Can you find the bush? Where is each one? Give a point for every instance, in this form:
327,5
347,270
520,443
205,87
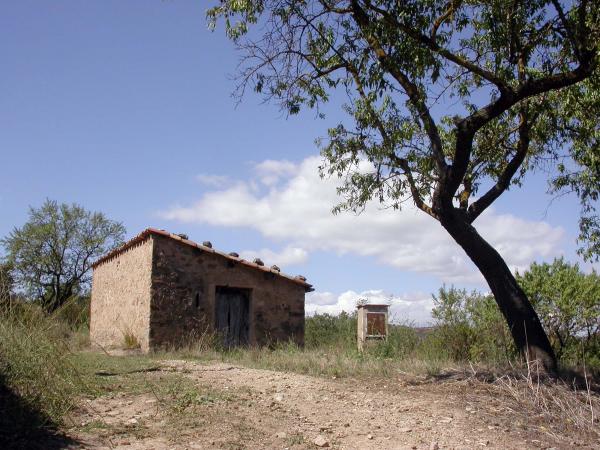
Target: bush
470,327
130,341
402,342
75,313
33,360
568,304
325,330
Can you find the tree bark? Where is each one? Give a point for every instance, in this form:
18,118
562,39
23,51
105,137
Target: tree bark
523,322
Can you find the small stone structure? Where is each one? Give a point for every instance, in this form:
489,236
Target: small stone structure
372,324
161,290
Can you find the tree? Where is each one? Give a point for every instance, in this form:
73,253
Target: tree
505,65
51,255
6,284
568,302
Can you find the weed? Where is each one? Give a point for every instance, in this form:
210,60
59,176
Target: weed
181,393
94,425
130,341
295,439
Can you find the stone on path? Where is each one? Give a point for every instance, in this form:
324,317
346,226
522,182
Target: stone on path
321,441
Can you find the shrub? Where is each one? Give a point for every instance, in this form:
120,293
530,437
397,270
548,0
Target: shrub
75,313
401,343
568,304
33,360
325,330
470,327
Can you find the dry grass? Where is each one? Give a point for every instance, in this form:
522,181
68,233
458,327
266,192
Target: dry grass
524,395
567,406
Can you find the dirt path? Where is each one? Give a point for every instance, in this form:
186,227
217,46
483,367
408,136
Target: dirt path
235,407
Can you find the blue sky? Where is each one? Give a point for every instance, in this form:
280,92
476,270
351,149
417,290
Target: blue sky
125,107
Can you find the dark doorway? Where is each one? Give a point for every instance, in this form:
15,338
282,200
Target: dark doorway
232,315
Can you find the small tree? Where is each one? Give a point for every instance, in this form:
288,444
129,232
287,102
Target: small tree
568,302
51,255
452,321
522,78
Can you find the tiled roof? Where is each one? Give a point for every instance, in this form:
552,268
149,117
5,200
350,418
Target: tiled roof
375,305
154,231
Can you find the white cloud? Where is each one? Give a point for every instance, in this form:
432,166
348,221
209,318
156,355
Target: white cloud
407,308
287,256
271,171
296,210
212,180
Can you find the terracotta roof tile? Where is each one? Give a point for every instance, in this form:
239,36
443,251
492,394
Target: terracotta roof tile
154,231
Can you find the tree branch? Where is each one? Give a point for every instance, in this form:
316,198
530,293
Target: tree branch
568,29
477,207
432,45
416,195
453,5
410,88
401,162
468,126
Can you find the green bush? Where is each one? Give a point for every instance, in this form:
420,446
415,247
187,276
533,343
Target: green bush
568,304
402,342
33,360
469,327
75,313
325,330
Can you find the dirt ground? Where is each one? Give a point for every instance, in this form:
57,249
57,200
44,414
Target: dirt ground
230,407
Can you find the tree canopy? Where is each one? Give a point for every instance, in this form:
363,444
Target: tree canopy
504,66
452,103
51,255
579,163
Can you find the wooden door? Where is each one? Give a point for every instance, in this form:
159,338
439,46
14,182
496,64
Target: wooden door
232,315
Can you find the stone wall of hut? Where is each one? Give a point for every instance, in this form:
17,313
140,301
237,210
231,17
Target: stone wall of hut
184,282
120,304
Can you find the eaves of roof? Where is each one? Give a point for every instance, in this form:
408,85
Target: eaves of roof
154,231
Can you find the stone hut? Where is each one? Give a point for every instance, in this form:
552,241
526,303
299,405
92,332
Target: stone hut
160,289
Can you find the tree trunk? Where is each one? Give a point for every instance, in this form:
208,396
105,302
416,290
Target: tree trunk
523,322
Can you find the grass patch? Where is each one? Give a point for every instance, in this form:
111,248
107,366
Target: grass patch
135,375
181,394
103,374
555,403
38,362
327,361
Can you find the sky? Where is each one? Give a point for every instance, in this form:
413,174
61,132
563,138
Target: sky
125,107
